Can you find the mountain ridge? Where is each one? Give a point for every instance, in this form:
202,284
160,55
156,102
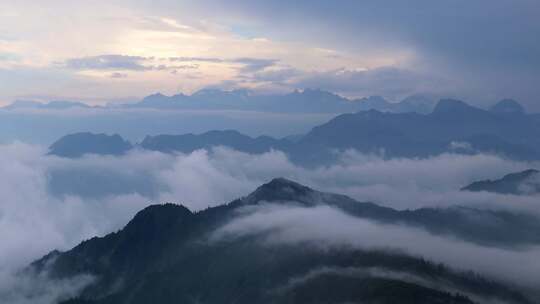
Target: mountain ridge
79,144
519,183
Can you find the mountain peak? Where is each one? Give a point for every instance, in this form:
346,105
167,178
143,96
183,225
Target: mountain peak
162,214
155,221
155,96
417,103
279,182
280,189
158,94
451,105
507,106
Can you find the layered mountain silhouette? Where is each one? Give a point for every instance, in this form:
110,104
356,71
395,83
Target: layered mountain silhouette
451,123
79,144
299,101
229,138
453,126
51,105
169,254
508,106
525,182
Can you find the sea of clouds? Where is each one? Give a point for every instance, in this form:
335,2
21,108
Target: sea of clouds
54,203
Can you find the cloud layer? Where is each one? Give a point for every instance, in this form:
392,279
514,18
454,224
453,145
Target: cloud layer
47,203
290,224
41,205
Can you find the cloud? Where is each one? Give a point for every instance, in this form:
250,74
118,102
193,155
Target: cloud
196,59
49,193
4,56
531,185
34,222
481,52
121,63
292,225
394,83
377,272
464,32
118,75
277,76
32,288
251,65
108,62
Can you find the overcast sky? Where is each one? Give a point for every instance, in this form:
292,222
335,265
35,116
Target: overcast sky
98,50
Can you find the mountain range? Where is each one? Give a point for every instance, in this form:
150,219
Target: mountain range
51,105
189,142
299,101
453,126
169,254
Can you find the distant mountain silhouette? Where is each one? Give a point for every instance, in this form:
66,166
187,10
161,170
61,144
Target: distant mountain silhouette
417,135
508,106
525,182
416,103
166,254
52,105
159,101
23,104
79,144
189,142
299,101
453,126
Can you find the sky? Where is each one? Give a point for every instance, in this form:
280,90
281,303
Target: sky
100,51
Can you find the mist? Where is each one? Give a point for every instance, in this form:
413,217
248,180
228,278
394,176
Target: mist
292,224
39,126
